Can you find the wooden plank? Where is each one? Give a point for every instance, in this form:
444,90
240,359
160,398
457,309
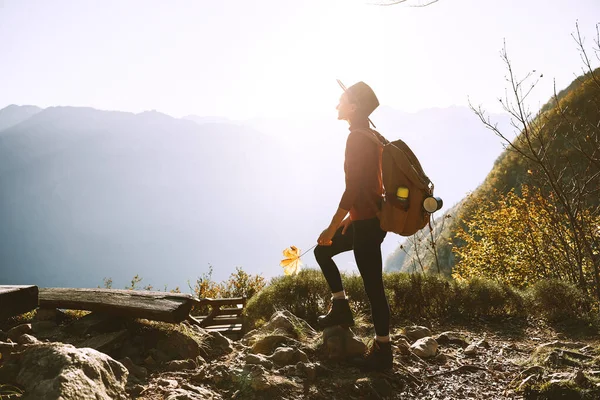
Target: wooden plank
158,306
226,328
223,302
230,311
220,320
18,299
233,309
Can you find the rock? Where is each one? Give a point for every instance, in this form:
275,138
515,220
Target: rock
6,349
286,322
564,345
258,359
27,339
402,345
180,365
287,355
340,343
95,322
160,356
375,388
180,346
425,347
584,350
560,376
250,337
107,343
281,320
441,358
199,390
217,343
150,361
191,392
471,350
259,380
46,314
267,344
446,338
577,377
580,379
308,370
18,330
322,371
382,387
170,383
56,370
43,326
200,360
416,332
399,336
136,390
135,370
8,373
223,373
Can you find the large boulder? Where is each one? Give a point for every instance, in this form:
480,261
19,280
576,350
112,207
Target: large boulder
425,347
340,343
416,332
286,323
267,344
52,371
177,345
288,355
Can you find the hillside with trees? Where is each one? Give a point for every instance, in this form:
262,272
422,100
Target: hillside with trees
536,215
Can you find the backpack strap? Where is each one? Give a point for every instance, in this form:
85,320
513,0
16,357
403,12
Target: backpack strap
373,135
381,141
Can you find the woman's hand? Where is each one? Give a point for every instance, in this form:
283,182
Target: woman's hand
326,236
345,224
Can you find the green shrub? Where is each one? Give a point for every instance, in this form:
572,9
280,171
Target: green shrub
416,296
305,295
559,301
486,298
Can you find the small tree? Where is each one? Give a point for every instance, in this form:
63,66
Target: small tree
241,284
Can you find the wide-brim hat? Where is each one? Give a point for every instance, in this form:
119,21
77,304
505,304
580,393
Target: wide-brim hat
364,96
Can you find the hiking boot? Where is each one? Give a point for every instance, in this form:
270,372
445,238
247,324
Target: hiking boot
339,314
378,357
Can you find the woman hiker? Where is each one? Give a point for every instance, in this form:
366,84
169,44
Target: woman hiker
359,231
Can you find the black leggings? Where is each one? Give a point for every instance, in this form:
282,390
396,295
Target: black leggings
364,237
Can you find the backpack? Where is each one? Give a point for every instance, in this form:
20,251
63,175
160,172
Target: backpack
401,169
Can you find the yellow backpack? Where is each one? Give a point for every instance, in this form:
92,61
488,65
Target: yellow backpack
408,202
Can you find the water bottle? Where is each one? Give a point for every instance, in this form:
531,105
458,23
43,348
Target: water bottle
432,204
402,196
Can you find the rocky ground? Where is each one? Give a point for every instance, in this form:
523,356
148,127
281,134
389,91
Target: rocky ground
100,357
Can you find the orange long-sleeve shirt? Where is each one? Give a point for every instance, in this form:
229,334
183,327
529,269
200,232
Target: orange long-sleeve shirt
362,167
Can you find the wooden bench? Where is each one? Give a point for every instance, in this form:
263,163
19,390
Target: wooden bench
15,300
225,316
157,306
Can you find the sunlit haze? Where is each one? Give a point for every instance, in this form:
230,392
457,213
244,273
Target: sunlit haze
265,58
88,194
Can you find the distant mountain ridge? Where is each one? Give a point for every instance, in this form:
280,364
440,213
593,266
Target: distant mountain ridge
13,115
87,194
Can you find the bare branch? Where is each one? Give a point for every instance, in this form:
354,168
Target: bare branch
396,2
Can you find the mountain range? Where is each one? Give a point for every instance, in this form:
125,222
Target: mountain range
87,194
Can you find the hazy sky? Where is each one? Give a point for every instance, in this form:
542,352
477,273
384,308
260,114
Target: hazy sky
254,58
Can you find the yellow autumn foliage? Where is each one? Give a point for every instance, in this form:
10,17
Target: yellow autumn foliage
518,240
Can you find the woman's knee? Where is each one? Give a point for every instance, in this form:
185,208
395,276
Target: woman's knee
322,253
